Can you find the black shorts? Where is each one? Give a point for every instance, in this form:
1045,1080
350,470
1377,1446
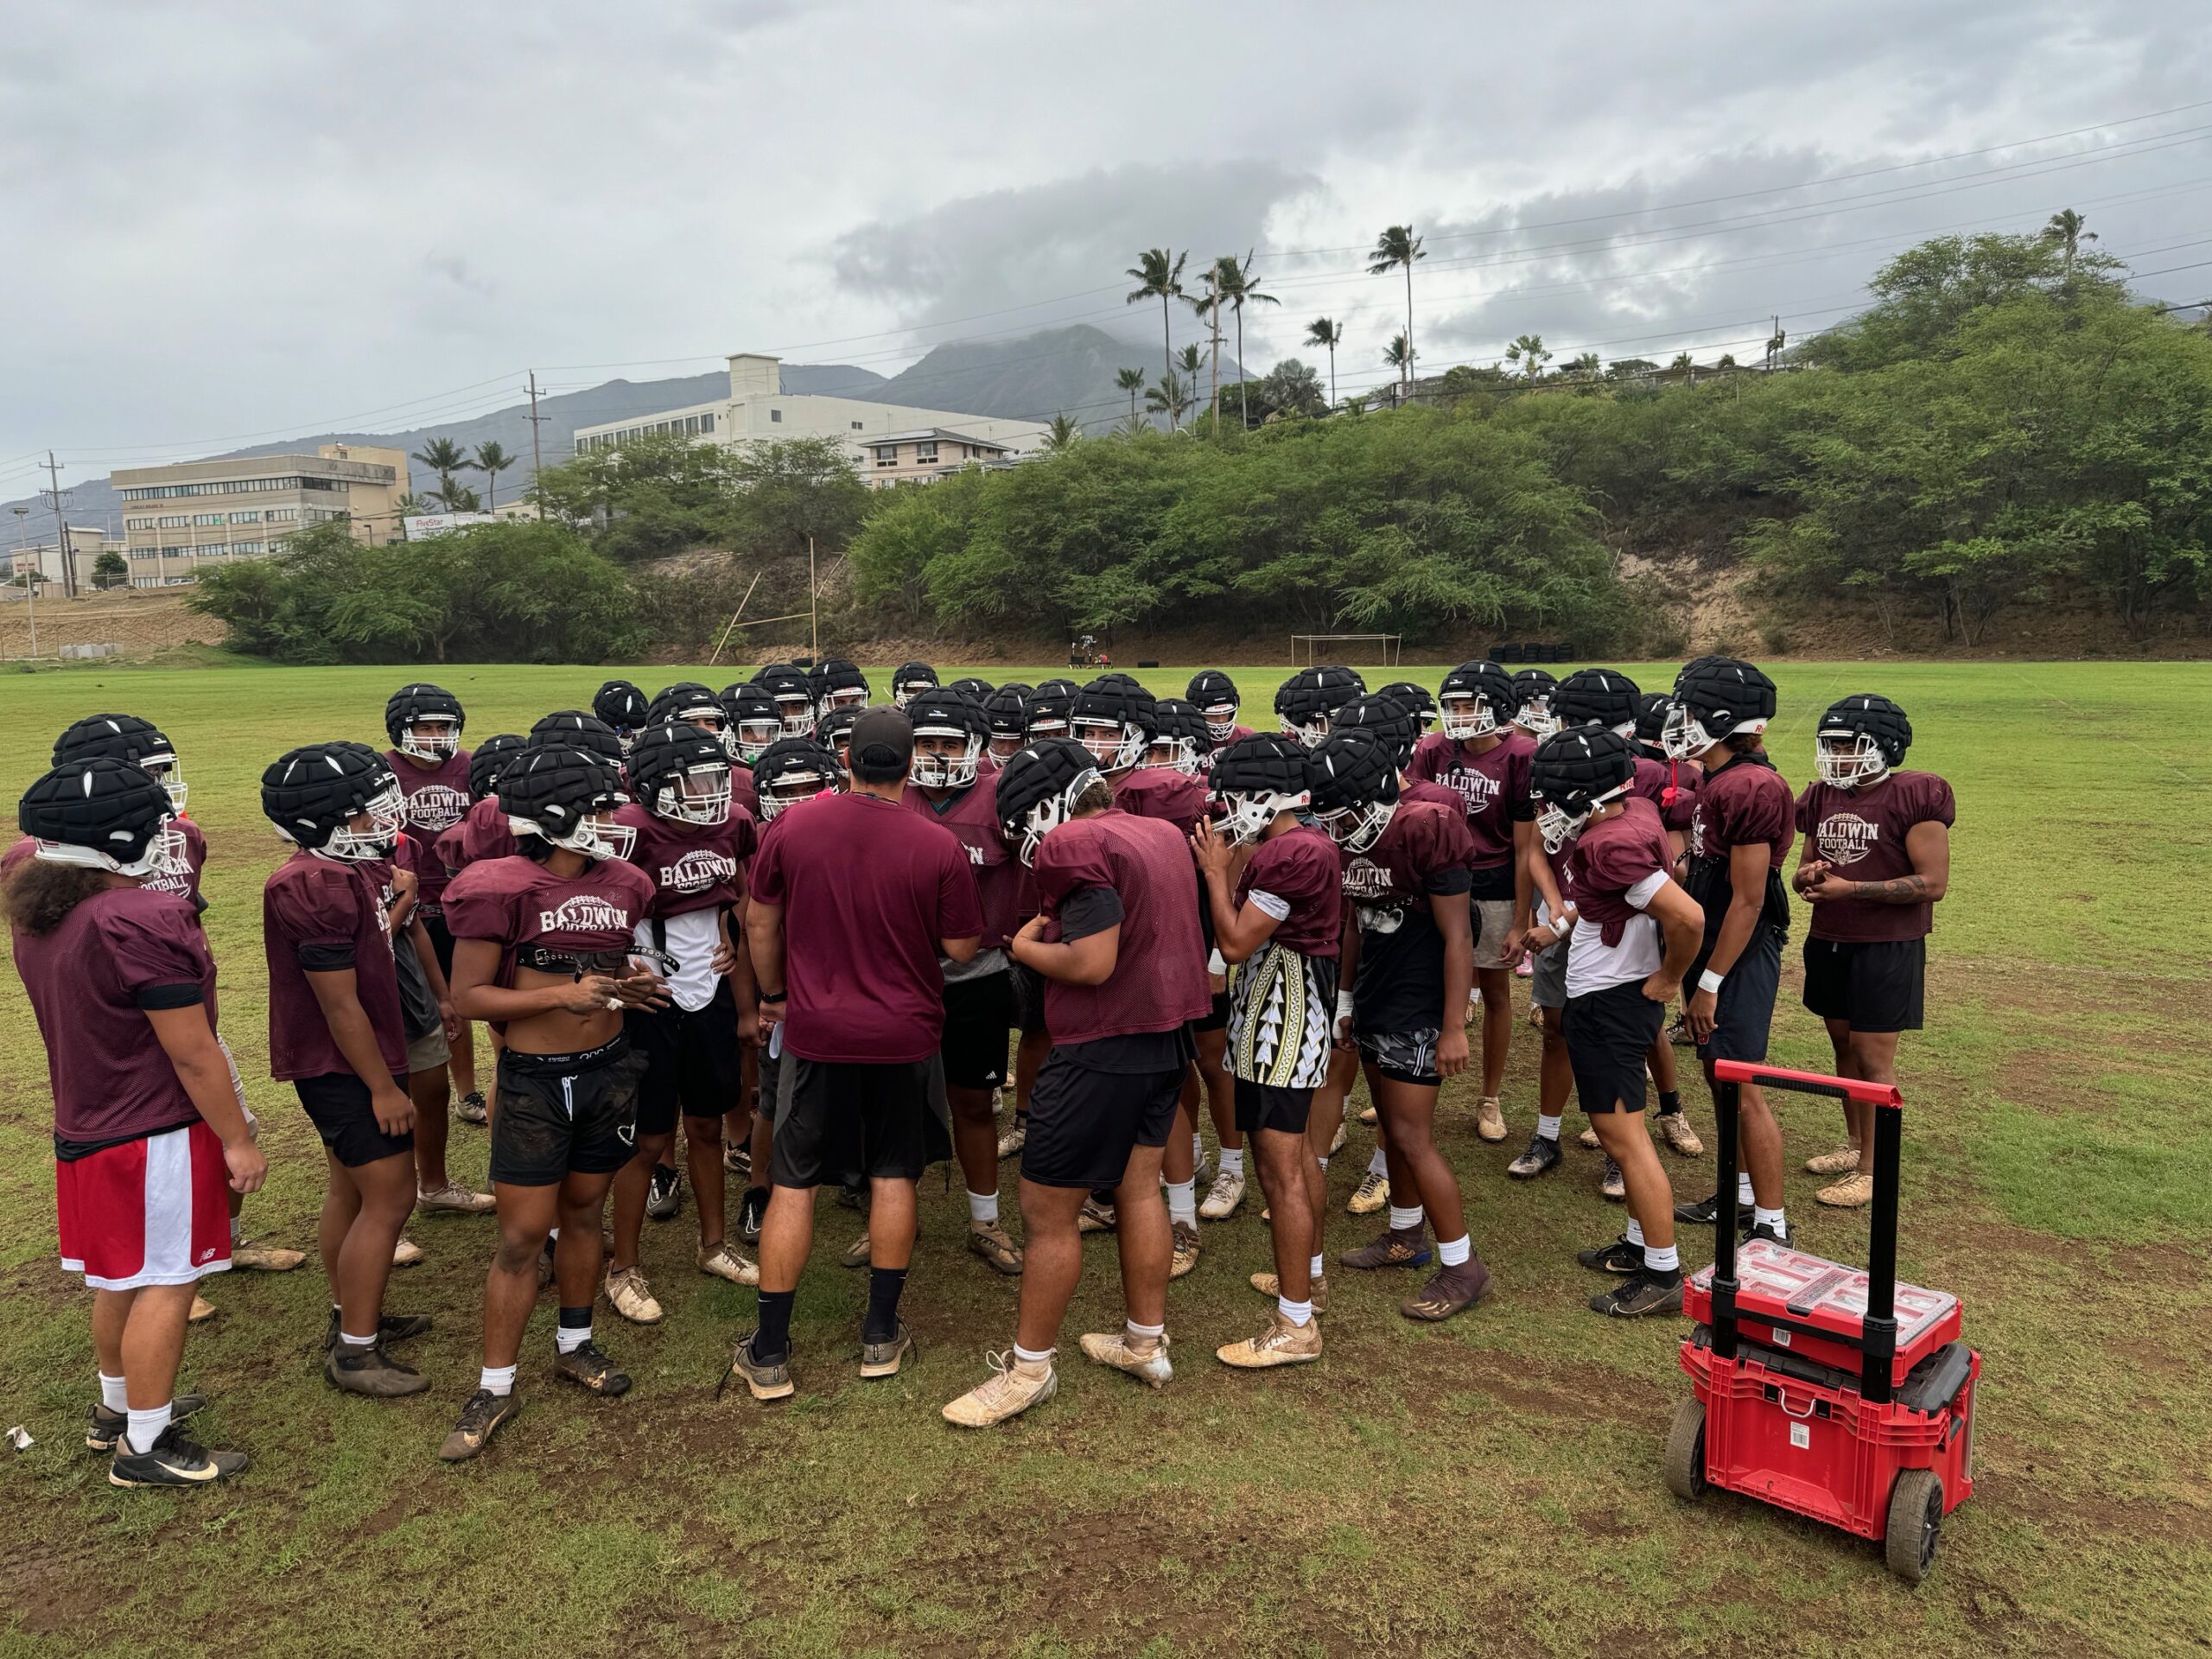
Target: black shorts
978,1014
770,1069
850,1120
1028,989
434,923
565,1114
693,1061
1085,1124
1607,1034
1743,1012
1261,1106
1407,1057
1875,985
1216,1017
338,1105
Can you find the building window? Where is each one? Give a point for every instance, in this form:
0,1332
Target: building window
886,454
776,415
705,422
856,426
138,524
245,518
282,515
926,453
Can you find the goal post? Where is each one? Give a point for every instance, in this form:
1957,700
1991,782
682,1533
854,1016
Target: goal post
1308,650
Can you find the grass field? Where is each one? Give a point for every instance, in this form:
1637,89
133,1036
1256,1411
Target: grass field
1491,1485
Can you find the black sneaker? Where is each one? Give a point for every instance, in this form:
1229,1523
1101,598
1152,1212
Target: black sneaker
483,1413
1612,1186
1542,1156
588,1368
664,1197
174,1460
1704,1211
390,1327
1640,1295
1620,1256
371,1372
752,1212
1771,1232
107,1431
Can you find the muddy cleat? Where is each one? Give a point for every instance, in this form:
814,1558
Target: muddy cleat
587,1367
1343,1134
173,1460
1640,1295
1111,1348
454,1198
1705,1212
1317,1292
1094,1217
202,1310
371,1372
665,1192
1223,1196
1612,1186
480,1418
1449,1292
1370,1195
265,1258
1011,1389
996,1245
1490,1118
1367,1113
883,1358
723,1262
1186,1249
1014,1137
406,1253
1588,1139
1674,1129
1541,1158
1854,1191
1390,1249
1620,1256
470,1107
1280,1344
106,1433
391,1328
1843,1160
737,1158
752,1213
1679,1033
762,1381
855,1253
629,1295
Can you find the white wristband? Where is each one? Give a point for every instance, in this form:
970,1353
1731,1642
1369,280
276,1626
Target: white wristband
1344,1003
1708,981
1216,964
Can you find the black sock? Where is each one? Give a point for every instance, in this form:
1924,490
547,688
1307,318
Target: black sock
885,1285
760,1193
1670,1102
772,1341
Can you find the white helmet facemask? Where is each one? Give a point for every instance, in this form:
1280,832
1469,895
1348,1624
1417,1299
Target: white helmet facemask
1221,720
387,813
1356,828
430,737
597,835
752,737
165,852
1311,735
1050,813
931,771
1115,745
1247,815
1683,736
1847,760
1466,715
1175,754
798,713
164,770
1537,719
697,795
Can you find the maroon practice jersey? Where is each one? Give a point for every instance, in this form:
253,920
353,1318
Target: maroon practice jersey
322,915
1492,787
119,953
1861,833
1609,858
437,799
972,816
1158,981
1237,733
185,887
743,790
1425,850
1156,792
1746,800
691,866
517,901
1300,867
1670,785
1420,789
486,832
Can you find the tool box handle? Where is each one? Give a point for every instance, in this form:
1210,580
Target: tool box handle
1877,1341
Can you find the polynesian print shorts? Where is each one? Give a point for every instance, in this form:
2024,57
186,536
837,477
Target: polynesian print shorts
1280,1007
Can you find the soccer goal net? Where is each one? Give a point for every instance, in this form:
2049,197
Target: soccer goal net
1376,649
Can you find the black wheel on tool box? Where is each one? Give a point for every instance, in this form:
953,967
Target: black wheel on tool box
1684,1462
1916,1518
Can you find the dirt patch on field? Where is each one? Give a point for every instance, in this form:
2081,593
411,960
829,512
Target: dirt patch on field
140,623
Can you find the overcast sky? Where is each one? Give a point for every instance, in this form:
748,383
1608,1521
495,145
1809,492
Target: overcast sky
227,222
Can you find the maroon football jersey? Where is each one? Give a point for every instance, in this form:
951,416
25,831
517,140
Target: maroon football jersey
1155,793
691,866
1425,850
118,953
743,790
185,887
437,799
517,901
322,915
1611,857
973,817
1861,833
1492,787
1670,785
1237,733
1300,867
1159,980
1745,800
1420,789
485,833
867,890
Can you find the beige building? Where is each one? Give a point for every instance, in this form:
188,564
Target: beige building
87,543
758,409
927,454
179,520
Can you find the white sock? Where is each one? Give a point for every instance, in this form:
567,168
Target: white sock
1182,1203
1023,1357
1765,1217
1658,1261
553,1236
567,1338
353,1341
1323,1162
145,1427
1404,1221
1314,1266
1635,1233
1145,1332
1547,1127
1232,1160
1296,1312
1452,1253
1743,1187
238,1230
497,1379
113,1394
1378,1165
983,1207
1198,1148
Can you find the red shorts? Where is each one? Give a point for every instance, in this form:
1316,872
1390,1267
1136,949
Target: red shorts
151,1211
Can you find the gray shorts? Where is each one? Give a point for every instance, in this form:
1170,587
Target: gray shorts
1547,977
1493,919
430,1052
1403,1056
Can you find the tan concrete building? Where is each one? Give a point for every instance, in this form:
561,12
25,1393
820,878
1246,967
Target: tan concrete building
87,543
179,520
927,454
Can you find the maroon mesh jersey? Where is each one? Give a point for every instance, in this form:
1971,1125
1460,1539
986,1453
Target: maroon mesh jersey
972,816
1861,833
867,890
743,790
1670,785
185,887
1300,867
517,901
437,799
1492,787
1156,792
691,866
1418,789
1159,980
1608,859
322,915
115,955
1237,733
1425,850
1746,800
485,833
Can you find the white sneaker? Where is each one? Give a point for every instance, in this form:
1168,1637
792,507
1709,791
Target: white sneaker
1112,1348
456,1197
1014,1137
724,1262
1370,1195
406,1253
631,1297
1223,1196
1343,1133
1010,1389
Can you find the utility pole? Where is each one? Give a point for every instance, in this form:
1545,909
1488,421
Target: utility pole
23,514
813,615
536,454
61,529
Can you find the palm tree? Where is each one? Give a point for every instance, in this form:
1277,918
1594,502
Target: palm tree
445,458
1400,356
1063,431
1397,246
1131,381
1322,332
1683,363
1170,399
2064,231
457,498
492,460
1208,306
1240,286
1187,361
1159,275
1584,367
1530,353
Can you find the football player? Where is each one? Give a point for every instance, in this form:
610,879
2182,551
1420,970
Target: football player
337,1033
755,724
623,707
692,704
1049,708
1279,920
839,684
1215,695
1533,689
1007,709
911,681
793,697
1740,830
150,1131
543,949
1307,701
1118,947
1417,699
1875,860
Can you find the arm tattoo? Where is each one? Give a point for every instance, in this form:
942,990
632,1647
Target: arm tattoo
1904,890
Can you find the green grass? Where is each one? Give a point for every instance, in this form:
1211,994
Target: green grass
1490,1485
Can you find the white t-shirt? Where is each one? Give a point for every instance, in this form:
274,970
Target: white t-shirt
1592,965
693,938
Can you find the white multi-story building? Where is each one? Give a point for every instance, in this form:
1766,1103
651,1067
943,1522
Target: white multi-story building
758,411
181,519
